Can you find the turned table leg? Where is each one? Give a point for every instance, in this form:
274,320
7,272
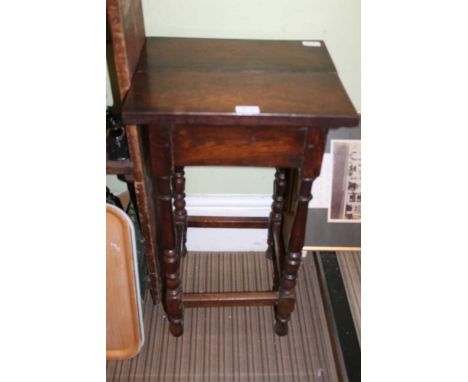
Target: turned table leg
279,187
292,261
313,156
180,213
170,257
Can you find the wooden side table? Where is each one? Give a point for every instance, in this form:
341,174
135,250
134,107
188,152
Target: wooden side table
234,103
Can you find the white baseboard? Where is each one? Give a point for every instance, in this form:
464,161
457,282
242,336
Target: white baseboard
223,239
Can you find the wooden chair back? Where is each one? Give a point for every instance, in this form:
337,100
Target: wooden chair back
127,31
125,18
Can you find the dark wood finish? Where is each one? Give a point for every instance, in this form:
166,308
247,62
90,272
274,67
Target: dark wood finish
277,94
119,167
290,201
185,91
238,146
170,256
161,164
277,255
180,213
125,21
297,84
146,208
313,155
162,54
114,82
279,187
227,222
291,262
230,299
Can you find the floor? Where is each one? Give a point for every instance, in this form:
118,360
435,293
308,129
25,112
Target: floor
234,343
350,267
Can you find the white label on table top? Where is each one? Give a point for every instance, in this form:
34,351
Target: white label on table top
247,109
312,43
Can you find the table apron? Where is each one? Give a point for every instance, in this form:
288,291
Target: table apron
238,146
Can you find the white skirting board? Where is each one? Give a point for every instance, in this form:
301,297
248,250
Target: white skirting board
227,239
223,239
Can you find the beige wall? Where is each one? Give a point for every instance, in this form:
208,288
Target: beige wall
337,22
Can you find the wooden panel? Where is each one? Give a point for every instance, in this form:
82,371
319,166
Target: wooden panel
119,167
201,78
230,299
234,146
218,93
227,222
146,208
124,332
160,150
125,19
203,54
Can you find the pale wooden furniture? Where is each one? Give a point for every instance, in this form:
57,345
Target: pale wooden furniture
124,321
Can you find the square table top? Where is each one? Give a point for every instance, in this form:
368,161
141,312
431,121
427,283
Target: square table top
198,80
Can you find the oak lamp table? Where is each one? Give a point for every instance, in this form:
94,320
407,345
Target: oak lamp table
218,102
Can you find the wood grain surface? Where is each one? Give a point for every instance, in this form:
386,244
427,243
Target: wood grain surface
119,167
240,146
125,21
227,222
210,77
203,54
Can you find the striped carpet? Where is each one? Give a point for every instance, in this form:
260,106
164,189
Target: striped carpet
234,343
350,267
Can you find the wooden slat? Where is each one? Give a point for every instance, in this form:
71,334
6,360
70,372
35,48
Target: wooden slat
230,299
146,207
234,343
125,22
119,167
227,222
254,146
